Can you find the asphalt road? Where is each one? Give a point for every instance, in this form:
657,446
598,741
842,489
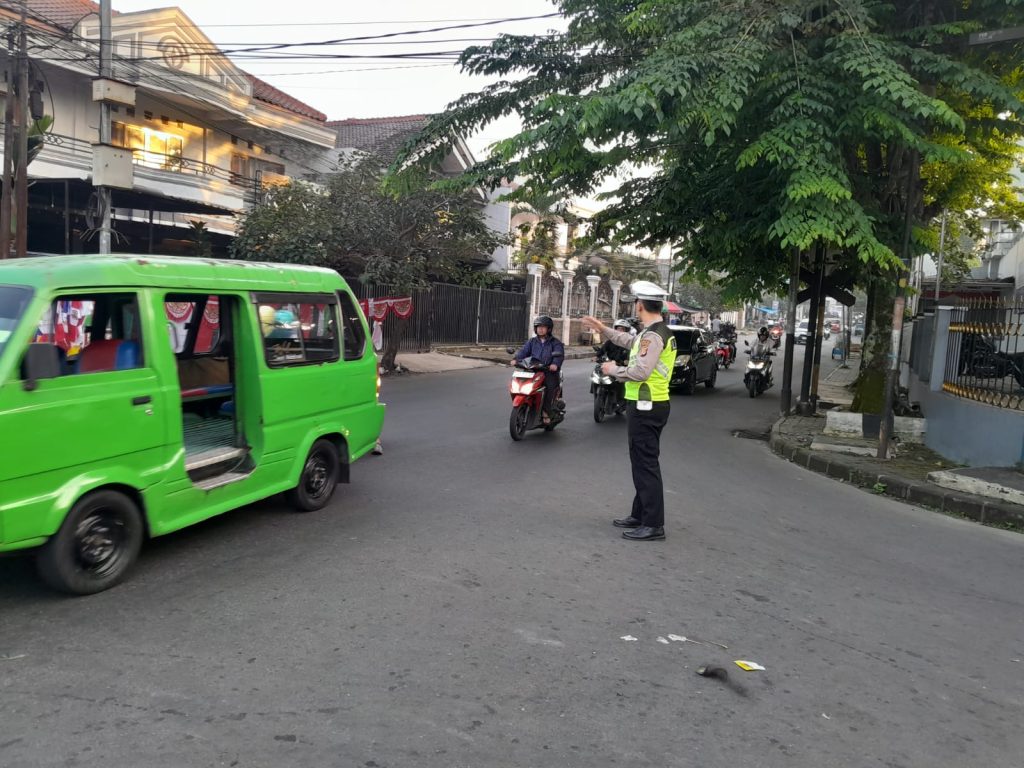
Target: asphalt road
464,603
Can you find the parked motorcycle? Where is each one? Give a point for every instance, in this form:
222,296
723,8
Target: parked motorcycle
609,394
758,376
982,358
527,391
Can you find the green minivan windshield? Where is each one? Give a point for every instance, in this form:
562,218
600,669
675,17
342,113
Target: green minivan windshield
13,300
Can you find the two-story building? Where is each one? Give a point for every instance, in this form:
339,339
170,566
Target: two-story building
384,137
204,139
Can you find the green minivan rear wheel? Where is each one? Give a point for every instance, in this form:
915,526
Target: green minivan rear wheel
95,546
319,478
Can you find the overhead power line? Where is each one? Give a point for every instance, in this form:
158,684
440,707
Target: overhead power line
389,34
370,23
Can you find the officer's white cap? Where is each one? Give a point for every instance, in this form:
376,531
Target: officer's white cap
645,289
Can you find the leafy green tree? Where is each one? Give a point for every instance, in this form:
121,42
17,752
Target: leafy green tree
356,227
738,131
199,239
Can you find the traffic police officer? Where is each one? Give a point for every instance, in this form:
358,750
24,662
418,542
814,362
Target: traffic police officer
651,359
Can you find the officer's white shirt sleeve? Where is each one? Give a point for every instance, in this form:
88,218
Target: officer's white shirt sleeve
645,363
618,338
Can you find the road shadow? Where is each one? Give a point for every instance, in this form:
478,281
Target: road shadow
21,586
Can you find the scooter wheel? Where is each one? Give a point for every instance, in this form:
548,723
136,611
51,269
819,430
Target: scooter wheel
517,422
752,387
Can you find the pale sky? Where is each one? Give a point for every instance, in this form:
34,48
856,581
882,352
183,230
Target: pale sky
344,88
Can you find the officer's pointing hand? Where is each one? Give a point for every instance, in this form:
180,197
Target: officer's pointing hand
592,323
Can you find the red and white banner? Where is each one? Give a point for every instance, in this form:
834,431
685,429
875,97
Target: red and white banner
378,309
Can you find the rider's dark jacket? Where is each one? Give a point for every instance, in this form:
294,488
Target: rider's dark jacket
545,351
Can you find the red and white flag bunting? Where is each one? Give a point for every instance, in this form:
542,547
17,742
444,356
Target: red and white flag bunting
377,309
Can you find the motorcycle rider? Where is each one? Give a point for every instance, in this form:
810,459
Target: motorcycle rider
727,333
763,346
545,348
612,351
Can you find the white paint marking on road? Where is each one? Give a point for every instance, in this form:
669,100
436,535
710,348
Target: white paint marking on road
825,716
14,658
677,638
534,639
663,641
628,638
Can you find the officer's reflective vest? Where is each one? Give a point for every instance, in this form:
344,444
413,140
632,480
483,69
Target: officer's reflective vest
656,386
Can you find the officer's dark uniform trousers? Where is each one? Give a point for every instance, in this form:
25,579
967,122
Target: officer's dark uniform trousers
644,429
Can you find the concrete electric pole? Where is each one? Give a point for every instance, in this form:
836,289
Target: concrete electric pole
21,147
106,72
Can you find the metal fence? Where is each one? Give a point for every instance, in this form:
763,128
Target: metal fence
455,314
985,355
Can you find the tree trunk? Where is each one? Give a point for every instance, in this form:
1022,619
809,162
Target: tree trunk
869,389
392,341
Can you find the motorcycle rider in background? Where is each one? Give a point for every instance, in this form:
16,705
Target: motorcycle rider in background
547,349
612,351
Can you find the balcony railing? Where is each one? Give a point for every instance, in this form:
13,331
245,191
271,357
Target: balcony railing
252,187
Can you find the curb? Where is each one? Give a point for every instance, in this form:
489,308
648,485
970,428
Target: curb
978,508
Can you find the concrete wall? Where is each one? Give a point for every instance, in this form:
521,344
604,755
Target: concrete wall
968,432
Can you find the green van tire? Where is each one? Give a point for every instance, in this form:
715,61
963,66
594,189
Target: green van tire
318,479
95,546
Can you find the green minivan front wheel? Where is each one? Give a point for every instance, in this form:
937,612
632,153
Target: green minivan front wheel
95,546
319,478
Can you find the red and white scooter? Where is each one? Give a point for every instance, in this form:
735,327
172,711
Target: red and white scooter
527,391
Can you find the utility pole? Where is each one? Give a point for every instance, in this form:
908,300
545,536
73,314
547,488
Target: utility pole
806,407
787,366
8,170
21,171
939,265
106,72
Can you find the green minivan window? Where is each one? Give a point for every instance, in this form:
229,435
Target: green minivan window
298,330
352,328
96,333
13,300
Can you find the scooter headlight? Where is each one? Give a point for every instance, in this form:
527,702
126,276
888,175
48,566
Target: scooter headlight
606,380
756,366
595,378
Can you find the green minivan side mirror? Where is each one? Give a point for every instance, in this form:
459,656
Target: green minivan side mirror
42,361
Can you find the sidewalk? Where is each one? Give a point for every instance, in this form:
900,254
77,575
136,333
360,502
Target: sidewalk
833,389
801,439
444,359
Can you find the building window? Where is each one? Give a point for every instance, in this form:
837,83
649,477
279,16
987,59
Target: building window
152,149
240,169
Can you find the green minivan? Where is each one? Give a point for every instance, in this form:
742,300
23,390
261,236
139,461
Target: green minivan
142,394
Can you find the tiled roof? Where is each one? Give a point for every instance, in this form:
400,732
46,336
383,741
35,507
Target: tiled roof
383,136
62,13
264,91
